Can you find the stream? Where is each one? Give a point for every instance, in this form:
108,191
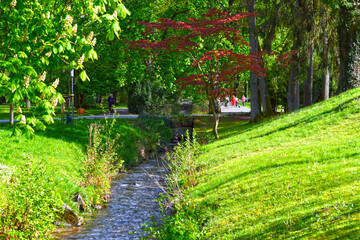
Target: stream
131,204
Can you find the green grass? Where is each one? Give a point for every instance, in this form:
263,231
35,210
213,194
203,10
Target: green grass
61,150
293,177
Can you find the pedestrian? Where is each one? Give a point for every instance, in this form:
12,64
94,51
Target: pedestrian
227,100
236,101
243,99
233,100
110,103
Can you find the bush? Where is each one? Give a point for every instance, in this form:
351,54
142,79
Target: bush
146,98
185,223
32,206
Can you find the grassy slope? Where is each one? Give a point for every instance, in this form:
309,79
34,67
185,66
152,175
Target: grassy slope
292,177
61,150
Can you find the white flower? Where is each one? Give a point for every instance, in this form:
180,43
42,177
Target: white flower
54,101
26,81
23,119
48,54
90,36
75,27
48,15
18,109
93,42
42,77
115,14
55,83
13,3
81,60
68,7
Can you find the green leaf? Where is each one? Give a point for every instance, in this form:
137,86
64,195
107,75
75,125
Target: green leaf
68,46
110,35
48,119
55,50
84,76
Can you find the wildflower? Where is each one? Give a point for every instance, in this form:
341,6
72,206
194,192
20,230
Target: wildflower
68,7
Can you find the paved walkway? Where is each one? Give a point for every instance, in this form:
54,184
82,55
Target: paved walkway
123,113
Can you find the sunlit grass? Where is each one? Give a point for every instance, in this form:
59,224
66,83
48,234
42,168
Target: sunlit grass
295,177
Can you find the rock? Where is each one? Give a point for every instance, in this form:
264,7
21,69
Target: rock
70,217
81,203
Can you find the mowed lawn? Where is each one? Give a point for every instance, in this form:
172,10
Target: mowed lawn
293,177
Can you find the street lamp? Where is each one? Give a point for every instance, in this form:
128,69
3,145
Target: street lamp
72,94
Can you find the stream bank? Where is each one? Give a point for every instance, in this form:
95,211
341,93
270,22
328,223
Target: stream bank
132,202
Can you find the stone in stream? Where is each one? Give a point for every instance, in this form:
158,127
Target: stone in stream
70,217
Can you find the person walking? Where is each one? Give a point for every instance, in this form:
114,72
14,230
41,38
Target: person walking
111,103
233,100
243,99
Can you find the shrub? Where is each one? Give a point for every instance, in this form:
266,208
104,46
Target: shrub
32,206
185,223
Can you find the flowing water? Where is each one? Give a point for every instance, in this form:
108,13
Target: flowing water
131,203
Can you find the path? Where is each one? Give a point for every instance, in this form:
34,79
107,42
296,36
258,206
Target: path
122,113
131,203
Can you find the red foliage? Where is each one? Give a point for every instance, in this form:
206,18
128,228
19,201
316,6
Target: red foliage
210,26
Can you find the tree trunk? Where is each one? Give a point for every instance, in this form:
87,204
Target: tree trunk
28,103
293,91
325,60
11,114
216,117
347,31
308,82
255,113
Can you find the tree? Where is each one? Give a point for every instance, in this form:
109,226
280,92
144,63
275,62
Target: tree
217,51
39,41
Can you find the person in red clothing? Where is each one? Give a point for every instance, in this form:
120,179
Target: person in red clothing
233,100
243,99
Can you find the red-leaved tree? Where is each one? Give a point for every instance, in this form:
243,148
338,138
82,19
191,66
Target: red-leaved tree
216,48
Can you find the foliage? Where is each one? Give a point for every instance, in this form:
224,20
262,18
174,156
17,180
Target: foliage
155,133
146,97
32,206
216,50
40,40
101,161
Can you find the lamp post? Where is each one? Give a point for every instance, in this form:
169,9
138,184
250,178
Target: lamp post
72,94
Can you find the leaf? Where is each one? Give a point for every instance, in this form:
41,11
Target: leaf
55,50
84,76
17,96
16,132
48,119
68,46
110,35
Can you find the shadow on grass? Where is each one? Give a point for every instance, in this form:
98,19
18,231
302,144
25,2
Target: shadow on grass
300,227
259,169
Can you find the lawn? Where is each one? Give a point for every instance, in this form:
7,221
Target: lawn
293,177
